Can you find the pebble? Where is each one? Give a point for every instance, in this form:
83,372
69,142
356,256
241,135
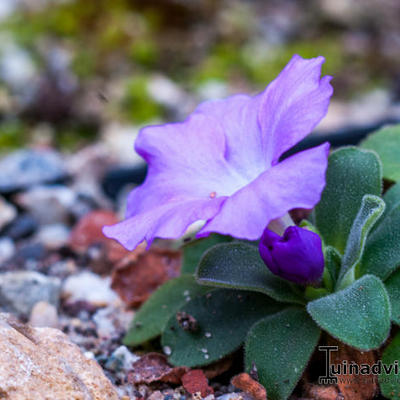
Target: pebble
53,236
48,204
157,395
88,230
44,314
230,396
89,287
7,249
111,321
25,168
21,290
121,359
7,213
21,227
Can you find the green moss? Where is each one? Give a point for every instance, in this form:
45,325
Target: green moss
73,136
261,69
259,64
223,62
144,52
137,105
12,134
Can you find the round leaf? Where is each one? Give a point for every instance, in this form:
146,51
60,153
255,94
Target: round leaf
358,315
280,346
239,266
150,320
386,142
351,174
222,318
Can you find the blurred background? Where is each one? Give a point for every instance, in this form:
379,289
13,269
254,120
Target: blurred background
73,72
79,78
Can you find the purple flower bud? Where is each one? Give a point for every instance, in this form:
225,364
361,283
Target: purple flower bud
297,256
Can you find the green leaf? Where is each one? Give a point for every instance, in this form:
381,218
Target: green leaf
358,315
392,198
239,266
333,261
389,383
351,174
193,251
382,250
393,288
223,317
371,209
386,142
280,346
150,320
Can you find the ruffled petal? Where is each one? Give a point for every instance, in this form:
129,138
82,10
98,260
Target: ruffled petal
296,182
168,221
292,105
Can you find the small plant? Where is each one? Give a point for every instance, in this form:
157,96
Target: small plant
269,285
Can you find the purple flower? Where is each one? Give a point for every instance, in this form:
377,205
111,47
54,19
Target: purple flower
221,164
297,256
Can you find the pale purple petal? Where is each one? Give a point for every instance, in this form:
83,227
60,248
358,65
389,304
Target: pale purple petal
219,164
165,221
185,159
292,105
296,182
238,118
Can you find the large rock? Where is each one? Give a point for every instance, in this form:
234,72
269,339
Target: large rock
41,363
21,290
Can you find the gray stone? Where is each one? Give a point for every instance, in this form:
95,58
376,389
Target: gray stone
53,236
26,168
7,212
44,315
21,290
89,287
7,249
121,360
48,204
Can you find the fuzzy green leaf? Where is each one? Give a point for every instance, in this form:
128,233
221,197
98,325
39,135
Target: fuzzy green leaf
371,209
393,288
193,251
333,261
280,346
358,315
351,174
389,383
223,318
382,250
386,142
150,320
392,198
239,266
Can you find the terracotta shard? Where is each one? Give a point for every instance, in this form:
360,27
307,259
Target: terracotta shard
139,274
248,385
154,367
195,382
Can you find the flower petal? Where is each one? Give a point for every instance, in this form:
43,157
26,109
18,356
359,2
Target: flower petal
238,118
186,160
296,182
292,105
166,221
